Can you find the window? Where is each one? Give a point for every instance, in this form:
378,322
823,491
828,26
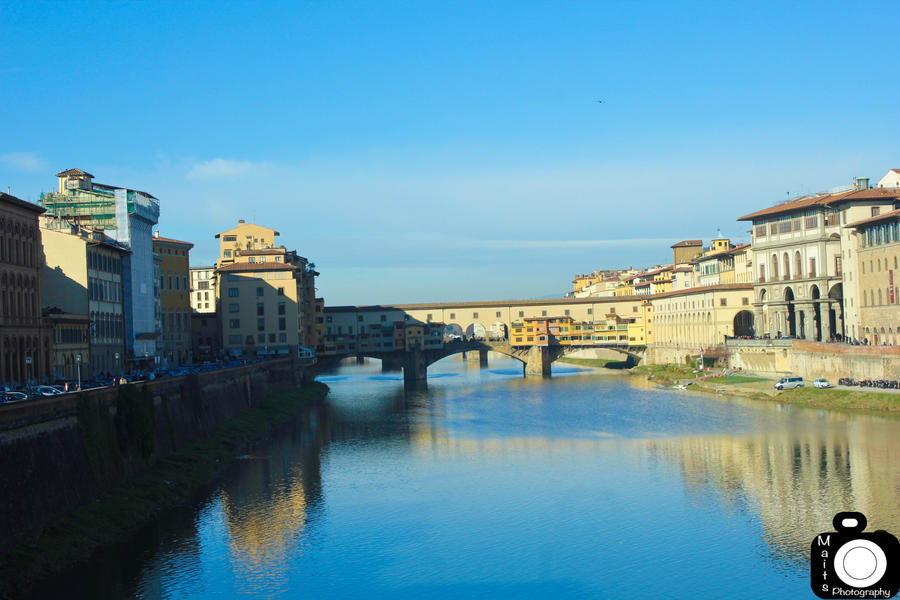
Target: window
232,292
251,260
566,312
260,324
281,291
634,309
260,338
723,301
812,267
384,318
281,308
612,310
590,311
234,323
745,301
282,337
282,323
259,291
543,313
875,211
260,308
229,238
359,318
228,254
474,315
271,338
234,339
234,308
452,316
330,319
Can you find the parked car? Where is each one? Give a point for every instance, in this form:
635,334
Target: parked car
45,391
821,383
12,396
789,383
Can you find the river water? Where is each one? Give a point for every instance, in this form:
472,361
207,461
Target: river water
488,485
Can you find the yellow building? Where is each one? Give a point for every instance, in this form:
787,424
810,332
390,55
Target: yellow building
878,271
685,251
83,275
174,344
246,236
265,296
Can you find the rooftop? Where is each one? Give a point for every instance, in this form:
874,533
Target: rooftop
266,266
20,203
885,217
687,243
824,200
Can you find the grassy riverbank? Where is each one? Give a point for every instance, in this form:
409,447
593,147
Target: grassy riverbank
133,504
760,388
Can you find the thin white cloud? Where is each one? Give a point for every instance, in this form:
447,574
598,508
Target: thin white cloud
223,167
28,162
517,244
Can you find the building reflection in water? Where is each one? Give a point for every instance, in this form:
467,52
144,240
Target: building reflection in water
269,504
794,482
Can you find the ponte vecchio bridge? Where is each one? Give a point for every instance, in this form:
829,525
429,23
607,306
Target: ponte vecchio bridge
488,326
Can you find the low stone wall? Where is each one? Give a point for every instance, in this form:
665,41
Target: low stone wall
57,453
812,359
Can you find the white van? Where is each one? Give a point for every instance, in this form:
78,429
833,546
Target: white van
789,383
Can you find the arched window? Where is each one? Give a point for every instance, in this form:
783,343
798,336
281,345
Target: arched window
787,267
774,267
798,266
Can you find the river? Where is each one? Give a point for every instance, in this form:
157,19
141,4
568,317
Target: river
489,485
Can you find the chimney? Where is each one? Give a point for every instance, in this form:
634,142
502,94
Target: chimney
862,183
156,233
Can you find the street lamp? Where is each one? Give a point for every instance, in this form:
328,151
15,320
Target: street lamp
78,364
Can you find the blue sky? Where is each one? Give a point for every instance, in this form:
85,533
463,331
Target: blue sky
424,151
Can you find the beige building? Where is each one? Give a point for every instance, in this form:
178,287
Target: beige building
24,342
878,270
265,295
246,236
203,289
174,344
685,251
71,335
702,317
890,180
83,275
803,261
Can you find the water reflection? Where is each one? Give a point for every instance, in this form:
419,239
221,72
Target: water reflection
488,484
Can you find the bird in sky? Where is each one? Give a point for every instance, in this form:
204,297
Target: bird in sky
601,101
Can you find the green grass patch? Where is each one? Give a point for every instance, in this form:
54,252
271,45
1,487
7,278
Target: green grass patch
665,374
840,399
124,509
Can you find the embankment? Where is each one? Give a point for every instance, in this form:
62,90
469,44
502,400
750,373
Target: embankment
60,453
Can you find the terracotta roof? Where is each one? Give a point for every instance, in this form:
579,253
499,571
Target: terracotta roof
825,200
687,243
68,172
888,215
266,266
21,203
171,241
683,269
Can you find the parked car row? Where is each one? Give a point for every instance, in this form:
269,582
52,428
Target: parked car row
8,395
875,383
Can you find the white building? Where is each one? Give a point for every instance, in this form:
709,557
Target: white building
803,257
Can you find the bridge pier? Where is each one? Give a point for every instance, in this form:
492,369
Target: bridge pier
480,355
415,370
538,362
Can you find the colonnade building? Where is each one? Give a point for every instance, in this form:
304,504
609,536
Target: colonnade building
806,263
